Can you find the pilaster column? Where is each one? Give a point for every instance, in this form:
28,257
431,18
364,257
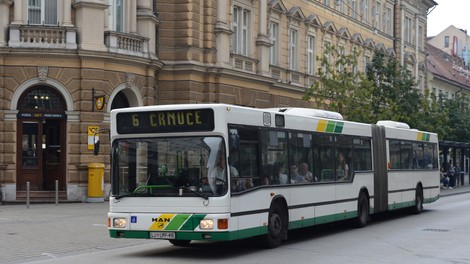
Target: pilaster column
262,42
4,15
18,12
223,34
132,17
67,13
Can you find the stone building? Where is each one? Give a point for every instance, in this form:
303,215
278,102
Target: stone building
65,64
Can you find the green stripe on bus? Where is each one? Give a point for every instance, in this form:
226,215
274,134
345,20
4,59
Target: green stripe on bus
339,127
177,222
193,222
330,127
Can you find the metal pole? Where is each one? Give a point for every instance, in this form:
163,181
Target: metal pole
27,195
56,192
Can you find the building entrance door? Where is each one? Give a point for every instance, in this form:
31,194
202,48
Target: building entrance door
41,154
41,144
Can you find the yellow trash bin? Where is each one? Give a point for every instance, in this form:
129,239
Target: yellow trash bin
95,182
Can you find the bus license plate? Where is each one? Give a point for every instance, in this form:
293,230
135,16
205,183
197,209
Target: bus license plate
162,235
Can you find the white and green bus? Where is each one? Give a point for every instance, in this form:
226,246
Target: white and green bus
218,172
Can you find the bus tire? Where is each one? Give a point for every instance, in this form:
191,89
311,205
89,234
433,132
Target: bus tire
180,243
419,200
277,226
362,211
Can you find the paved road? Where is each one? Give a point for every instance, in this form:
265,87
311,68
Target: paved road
47,231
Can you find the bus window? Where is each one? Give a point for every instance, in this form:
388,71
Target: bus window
344,167
274,156
300,157
324,159
244,158
394,146
362,154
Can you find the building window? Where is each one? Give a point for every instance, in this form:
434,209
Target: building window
42,12
311,55
388,21
407,29
341,54
339,6
365,10
116,15
241,30
446,41
293,49
378,16
366,62
420,37
326,2
352,4
274,37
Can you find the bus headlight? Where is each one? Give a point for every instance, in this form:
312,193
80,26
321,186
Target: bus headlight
206,224
119,222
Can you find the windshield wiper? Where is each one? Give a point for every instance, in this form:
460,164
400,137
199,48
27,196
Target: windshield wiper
130,195
200,194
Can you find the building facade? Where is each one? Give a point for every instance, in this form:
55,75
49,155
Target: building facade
448,75
453,41
64,65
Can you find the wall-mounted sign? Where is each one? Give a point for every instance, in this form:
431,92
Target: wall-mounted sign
93,135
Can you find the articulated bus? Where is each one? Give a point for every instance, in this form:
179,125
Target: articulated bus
217,172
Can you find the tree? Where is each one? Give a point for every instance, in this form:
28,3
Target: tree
386,91
341,87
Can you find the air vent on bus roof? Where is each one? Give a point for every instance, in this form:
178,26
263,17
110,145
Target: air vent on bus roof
389,123
309,112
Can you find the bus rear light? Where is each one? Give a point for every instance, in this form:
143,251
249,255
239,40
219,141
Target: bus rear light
222,224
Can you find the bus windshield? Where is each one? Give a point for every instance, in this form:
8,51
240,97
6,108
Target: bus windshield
169,167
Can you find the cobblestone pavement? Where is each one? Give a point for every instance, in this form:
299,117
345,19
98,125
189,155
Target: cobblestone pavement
47,231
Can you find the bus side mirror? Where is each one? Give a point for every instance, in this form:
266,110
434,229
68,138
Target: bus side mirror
234,141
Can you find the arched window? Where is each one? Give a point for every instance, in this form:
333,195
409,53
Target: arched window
41,99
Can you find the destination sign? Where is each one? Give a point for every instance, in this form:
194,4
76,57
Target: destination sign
165,121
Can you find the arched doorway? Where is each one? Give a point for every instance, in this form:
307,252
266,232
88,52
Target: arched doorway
41,139
120,101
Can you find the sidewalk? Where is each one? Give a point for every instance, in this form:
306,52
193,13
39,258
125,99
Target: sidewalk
47,231
458,189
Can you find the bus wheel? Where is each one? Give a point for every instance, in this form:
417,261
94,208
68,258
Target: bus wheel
276,227
180,243
419,200
362,211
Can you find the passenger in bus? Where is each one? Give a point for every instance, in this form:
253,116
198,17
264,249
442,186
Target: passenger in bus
242,184
294,174
279,177
305,173
342,169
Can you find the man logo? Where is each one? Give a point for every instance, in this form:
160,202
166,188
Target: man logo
161,220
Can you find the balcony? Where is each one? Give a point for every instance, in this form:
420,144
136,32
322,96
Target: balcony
127,44
44,37
243,63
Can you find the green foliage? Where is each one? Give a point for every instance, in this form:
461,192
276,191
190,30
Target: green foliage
386,91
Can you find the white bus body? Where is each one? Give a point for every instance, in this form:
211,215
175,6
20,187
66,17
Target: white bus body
157,151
